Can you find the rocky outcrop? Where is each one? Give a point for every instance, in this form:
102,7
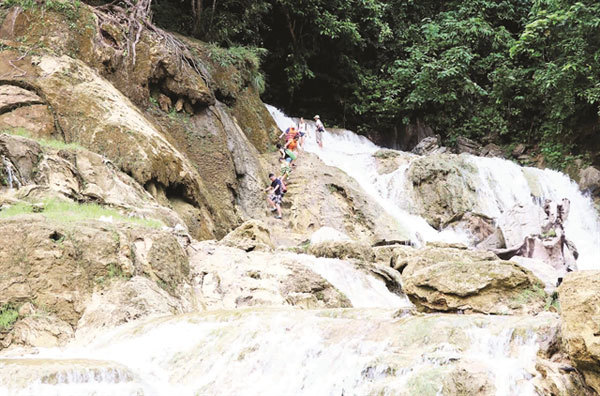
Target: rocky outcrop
78,175
252,235
538,233
322,196
226,277
56,266
450,280
343,250
441,187
429,145
193,155
579,297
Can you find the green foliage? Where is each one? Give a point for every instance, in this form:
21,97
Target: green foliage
68,212
8,316
502,70
69,8
245,60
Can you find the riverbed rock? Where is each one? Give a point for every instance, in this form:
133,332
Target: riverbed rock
252,235
579,297
468,379
342,250
441,187
589,180
125,300
226,277
450,280
41,330
388,161
57,265
466,145
427,146
479,226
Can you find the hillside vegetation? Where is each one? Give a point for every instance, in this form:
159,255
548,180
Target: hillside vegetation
506,71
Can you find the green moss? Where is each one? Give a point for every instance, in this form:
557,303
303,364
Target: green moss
536,292
68,212
425,383
8,317
50,143
68,8
114,272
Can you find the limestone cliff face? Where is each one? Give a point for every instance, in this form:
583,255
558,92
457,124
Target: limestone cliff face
68,77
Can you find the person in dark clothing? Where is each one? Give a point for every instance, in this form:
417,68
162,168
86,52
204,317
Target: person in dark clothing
275,191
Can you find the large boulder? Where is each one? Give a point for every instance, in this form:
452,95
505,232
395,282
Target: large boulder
125,300
228,278
579,297
441,187
589,180
539,233
450,280
252,235
57,265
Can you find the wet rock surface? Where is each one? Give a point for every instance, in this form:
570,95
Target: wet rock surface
450,279
579,297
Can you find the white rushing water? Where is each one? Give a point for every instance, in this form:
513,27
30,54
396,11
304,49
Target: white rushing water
363,291
282,352
501,184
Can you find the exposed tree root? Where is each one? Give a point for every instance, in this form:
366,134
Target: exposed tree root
133,16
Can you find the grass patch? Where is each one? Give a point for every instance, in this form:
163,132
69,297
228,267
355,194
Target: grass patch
68,212
114,272
528,295
50,143
8,317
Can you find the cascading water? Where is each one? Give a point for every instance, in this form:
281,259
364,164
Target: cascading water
365,350
354,155
286,352
501,184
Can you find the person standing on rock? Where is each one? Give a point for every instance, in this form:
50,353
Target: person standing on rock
320,130
302,132
275,197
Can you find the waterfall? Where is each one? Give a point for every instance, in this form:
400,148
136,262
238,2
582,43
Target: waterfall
354,155
501,184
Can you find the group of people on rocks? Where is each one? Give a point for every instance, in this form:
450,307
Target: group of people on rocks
288,153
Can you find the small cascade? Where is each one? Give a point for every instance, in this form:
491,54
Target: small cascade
501,184
10,173
36,376
363,291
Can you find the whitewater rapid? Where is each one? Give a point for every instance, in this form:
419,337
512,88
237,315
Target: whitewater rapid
501,184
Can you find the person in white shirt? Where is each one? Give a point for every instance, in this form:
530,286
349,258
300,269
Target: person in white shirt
320,130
